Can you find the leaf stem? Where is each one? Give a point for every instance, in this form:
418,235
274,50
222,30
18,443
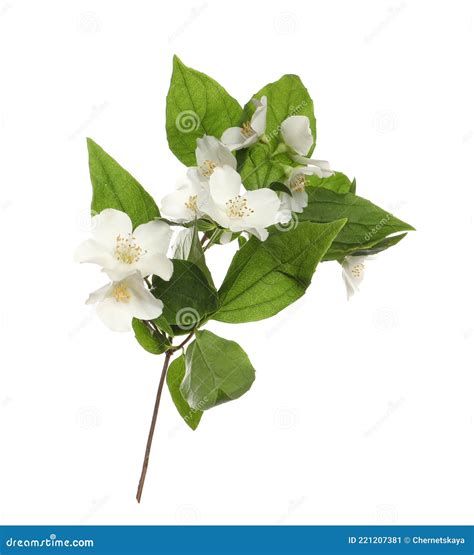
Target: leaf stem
181,345
141,483
211,240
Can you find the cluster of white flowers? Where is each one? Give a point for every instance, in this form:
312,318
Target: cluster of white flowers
126,256
213,189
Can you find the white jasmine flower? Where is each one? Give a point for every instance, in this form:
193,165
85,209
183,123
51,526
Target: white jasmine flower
297,135
120,301
122,251
296,182
353,268
236,138
320,168
238,210
212,154
296,132
183,205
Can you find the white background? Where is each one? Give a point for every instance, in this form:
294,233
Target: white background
361,411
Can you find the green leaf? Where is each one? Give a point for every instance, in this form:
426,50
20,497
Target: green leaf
242,240
338,182
187,297
217,371
196,105
367,224
280,187
174,378
285,97
189,247
265,277
258,168
152,341
380,246
196,255
162,324
114,187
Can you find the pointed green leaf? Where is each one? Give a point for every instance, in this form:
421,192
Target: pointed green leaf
266,276
217,371
174,378
187,297
114,187
152,341
162,324
338,182
196,105
367,224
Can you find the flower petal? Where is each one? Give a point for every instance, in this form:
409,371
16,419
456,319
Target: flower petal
142,303
320,168
299,201
215,212
94,252
259,232
233,138
265,205
174,206
153,236
296,133
353,273
224,184
99,294
108,224
115,315
210,148
259,118
155,263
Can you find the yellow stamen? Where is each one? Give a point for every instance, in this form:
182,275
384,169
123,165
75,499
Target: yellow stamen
358,270
298,183
207,168
247,130
238,207
121,293
127,250
191,203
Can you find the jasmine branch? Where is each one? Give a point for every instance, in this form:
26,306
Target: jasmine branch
151,433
